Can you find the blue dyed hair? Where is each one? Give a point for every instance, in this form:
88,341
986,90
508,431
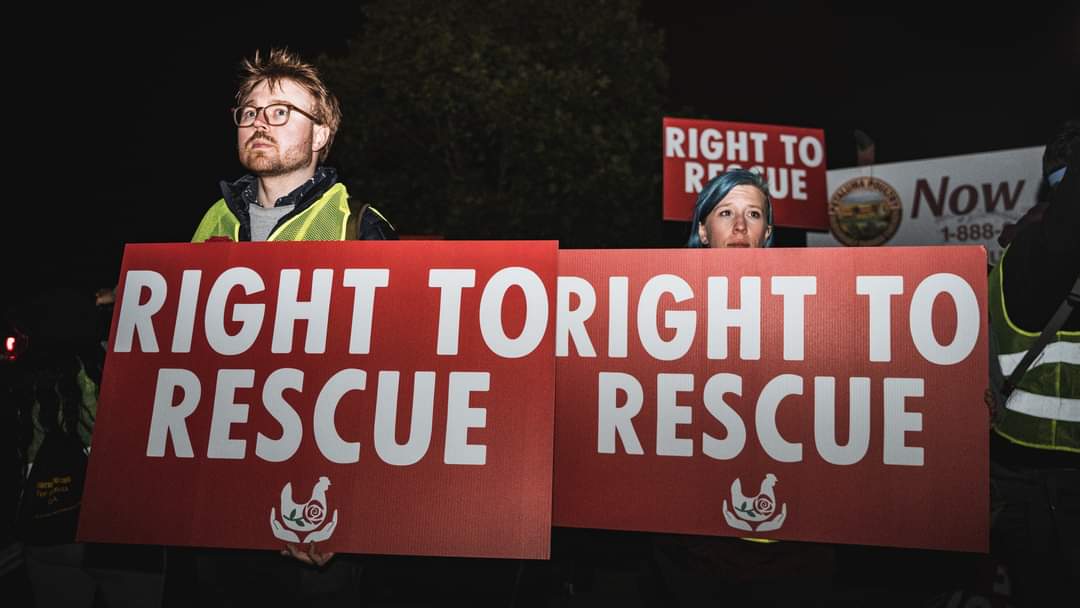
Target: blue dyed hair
715,191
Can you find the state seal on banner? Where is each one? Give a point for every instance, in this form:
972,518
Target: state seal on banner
864,212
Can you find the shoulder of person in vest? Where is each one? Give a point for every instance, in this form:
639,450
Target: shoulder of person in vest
371,224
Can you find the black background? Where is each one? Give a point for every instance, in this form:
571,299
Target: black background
118,128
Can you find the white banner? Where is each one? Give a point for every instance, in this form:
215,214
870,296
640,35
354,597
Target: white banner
956,200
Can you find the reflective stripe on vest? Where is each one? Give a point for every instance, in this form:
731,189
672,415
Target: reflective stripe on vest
1055,352
1054,408
1044,410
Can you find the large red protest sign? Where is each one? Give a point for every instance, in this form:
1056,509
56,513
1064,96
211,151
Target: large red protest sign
791,159
828,395
372,397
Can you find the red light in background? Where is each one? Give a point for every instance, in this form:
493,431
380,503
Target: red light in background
14,347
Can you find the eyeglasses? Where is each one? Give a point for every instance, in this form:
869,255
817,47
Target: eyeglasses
275,114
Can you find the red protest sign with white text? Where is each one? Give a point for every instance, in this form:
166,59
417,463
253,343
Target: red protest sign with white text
791,159
384,397
826,395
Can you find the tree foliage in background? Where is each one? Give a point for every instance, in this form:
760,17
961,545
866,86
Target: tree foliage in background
505,119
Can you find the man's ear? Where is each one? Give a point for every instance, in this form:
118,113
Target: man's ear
320,137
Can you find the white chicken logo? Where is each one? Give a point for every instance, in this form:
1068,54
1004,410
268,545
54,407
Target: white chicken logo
308,517
760,508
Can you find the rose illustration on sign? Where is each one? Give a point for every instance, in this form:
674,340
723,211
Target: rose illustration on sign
315,512
307,517
764,505
755,510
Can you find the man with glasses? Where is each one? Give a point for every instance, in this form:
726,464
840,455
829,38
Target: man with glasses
286,120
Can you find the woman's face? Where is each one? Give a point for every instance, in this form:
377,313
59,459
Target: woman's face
738,220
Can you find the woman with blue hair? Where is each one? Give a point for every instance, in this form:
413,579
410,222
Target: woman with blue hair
733,210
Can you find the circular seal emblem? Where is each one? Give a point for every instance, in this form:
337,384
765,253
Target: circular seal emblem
864,211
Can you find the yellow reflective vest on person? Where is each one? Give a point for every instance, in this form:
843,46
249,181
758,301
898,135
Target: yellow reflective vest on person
325,220
1044,409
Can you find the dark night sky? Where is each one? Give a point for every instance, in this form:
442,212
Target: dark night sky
136,132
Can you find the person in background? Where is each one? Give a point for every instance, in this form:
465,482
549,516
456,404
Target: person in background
51,388
1035,438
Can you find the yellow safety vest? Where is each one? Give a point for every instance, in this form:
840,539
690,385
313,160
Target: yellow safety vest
1044,409
325,220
